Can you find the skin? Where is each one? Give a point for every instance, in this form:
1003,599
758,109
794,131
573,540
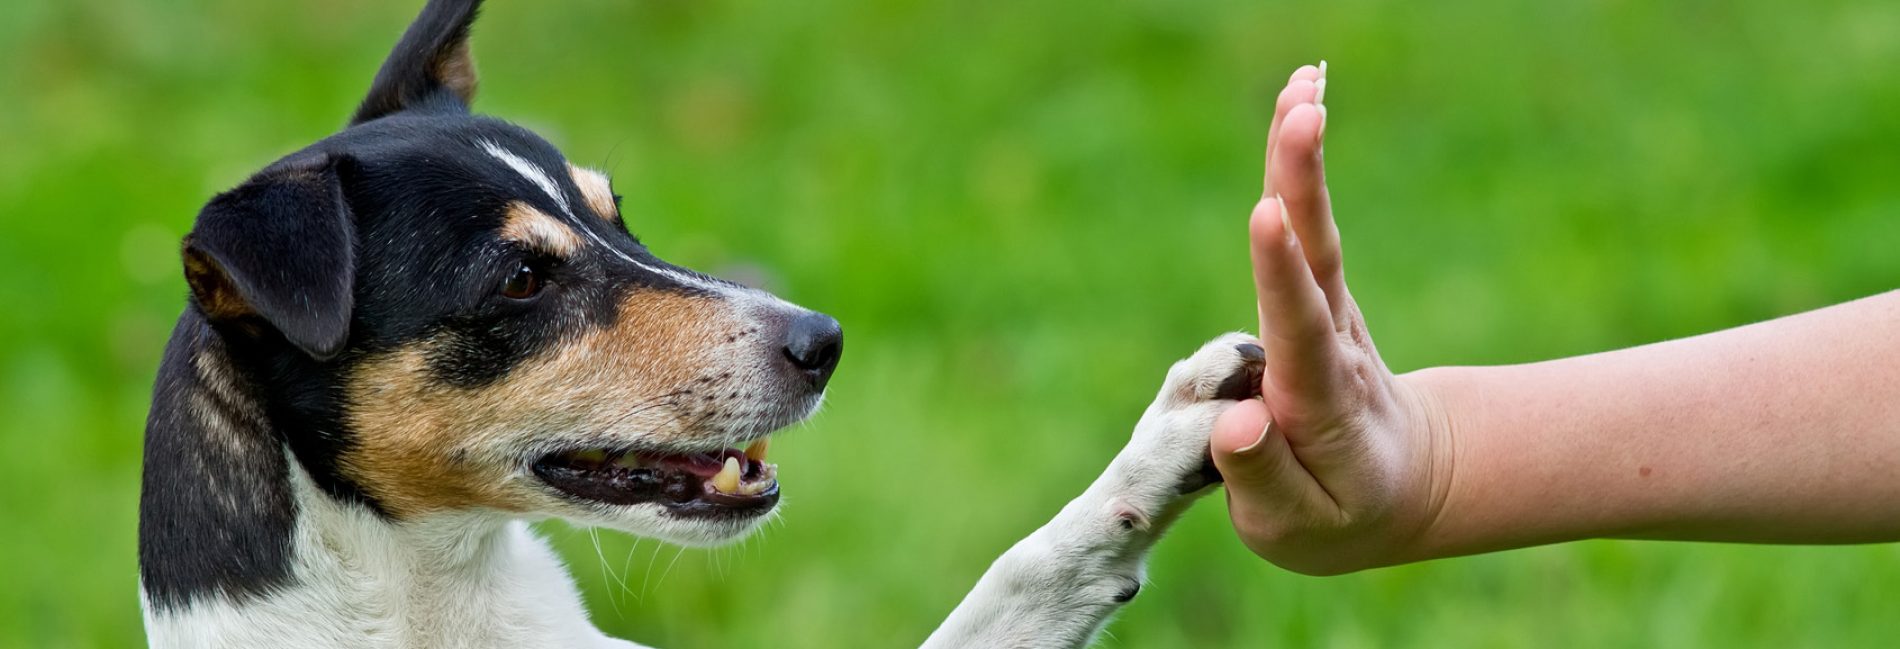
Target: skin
1786,431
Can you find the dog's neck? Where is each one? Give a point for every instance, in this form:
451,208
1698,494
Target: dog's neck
239,546
460,580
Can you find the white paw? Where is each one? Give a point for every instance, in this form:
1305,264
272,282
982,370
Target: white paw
1168,456
1227,368
1058,586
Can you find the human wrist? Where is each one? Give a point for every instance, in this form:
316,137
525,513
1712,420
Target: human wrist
1433,406
1510,471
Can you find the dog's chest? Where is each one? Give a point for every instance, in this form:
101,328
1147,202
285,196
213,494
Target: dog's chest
357,584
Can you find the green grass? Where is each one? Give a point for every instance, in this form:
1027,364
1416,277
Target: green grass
1022,211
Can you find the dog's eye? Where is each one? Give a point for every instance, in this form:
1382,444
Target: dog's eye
522,284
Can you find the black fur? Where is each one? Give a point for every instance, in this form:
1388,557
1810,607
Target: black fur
381,235
284,243
413,77
215,513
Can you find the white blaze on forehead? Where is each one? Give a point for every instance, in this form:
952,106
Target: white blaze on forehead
529,171
541,179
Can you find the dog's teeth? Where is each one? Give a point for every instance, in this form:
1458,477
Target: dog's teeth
728,479
756,452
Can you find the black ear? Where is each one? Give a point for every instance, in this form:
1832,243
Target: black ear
430,65
279,251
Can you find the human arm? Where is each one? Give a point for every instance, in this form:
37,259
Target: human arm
1784,431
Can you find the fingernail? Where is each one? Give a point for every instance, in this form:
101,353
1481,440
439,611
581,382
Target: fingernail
1319,99
1255,446
1286,224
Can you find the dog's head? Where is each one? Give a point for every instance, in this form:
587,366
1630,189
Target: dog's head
445,315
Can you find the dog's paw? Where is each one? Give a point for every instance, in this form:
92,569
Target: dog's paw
1227,368
1057,587
1169,454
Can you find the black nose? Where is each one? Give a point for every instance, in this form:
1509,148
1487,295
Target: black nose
813,344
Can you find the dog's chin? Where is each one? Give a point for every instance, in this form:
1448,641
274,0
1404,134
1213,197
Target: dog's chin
654,521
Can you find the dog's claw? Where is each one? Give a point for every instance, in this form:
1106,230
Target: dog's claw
1244,383
1251,352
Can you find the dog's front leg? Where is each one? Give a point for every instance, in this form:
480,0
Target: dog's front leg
1058,587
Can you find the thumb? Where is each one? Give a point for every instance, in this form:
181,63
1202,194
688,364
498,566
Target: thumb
1264,478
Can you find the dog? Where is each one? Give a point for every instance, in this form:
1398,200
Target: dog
407,341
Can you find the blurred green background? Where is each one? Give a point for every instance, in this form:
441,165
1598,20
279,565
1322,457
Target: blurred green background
1022,212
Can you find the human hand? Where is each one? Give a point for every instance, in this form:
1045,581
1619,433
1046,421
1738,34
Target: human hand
1351,468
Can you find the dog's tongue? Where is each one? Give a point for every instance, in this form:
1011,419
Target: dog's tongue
708,465
704,465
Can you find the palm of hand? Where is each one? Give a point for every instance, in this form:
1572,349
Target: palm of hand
1350,469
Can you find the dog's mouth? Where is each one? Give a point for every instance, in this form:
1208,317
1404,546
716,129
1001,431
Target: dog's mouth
727,483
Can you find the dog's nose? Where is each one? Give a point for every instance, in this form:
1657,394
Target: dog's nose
813,344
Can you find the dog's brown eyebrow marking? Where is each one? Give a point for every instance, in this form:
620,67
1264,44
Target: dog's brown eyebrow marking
538,231
595,190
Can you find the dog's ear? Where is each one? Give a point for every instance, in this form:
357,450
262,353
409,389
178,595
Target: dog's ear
430,67
279,251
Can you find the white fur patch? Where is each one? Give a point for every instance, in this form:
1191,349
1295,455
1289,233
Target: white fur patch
529,171
476,580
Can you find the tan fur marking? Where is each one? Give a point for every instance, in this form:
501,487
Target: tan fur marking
598,192
456,70
220,403
423,446
537,230
216,296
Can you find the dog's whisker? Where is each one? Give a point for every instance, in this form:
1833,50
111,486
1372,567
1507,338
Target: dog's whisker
626,569
606,572
669,566
646,578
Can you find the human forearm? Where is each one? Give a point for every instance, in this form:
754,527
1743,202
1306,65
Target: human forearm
1786,431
